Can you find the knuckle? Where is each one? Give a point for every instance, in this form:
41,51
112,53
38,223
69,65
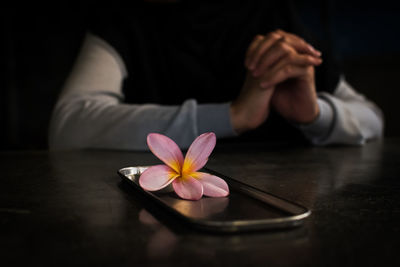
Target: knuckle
259,37
309,58
285,48
302,40
282,44
291,56
273,35
287,69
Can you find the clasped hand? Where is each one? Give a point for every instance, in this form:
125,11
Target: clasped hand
280,75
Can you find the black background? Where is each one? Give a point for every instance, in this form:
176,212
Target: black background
40,42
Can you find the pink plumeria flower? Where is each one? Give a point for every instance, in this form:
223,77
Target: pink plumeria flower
187,182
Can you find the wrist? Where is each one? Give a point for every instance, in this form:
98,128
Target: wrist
245,118
310,116
321,127
237,118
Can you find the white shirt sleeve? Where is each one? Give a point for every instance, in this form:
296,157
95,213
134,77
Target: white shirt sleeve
346,117
90,112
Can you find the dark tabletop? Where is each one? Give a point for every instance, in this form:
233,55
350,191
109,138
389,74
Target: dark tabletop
71,208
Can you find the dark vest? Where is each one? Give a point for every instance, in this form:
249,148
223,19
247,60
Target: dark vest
195,49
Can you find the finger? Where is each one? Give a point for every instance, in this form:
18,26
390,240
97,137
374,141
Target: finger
282,51
272,55
282,74
252,47
262,46
299,43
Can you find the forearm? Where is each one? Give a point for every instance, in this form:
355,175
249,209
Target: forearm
100,121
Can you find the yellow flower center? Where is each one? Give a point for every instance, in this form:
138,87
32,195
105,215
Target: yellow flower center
187,166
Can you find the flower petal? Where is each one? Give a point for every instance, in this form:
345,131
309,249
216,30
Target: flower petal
188,188
157,177
166,150
198,152
213,186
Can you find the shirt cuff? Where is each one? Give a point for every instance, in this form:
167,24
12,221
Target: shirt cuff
320,129
215,118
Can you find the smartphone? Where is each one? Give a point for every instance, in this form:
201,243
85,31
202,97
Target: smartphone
246,208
